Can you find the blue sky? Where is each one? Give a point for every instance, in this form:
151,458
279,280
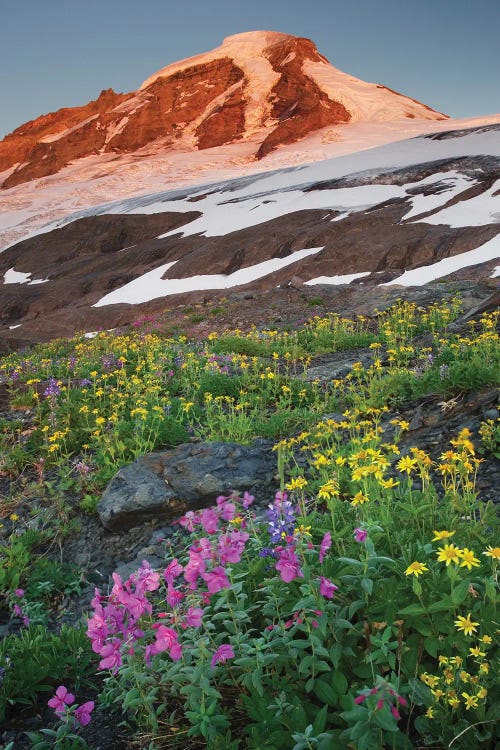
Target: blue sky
56,53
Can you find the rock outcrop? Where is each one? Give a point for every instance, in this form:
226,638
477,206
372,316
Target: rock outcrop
165,485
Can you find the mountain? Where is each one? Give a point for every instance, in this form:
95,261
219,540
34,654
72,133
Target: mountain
261,87
405,213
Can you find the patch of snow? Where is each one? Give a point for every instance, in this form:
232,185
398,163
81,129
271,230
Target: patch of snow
151,285
476,212
453,183
343,279
218,220
495,273
365,101
18,325
420,276
16,277
19,277
116,129
57,136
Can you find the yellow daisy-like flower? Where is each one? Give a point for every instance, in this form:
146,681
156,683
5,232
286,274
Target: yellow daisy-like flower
468,559
470,701
476,651
416,568
296,484
406,464
430,713
493,552
466,624
482,693
454,701
388,484
438,535
486,639
484,668
438,694
360,499
448,554
429,679
328,490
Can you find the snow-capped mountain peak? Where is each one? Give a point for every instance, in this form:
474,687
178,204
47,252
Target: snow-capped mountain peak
264,88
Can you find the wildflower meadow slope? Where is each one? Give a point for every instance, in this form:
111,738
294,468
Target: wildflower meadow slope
355,608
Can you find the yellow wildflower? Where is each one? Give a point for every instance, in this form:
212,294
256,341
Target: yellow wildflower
466,624
449,553
470,701
468,559
406,464
296,484
493,552
438,535
476,651
430,713
429,679
360,499
416,568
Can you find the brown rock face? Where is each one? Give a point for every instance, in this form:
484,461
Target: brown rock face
300,106
38,157
253,87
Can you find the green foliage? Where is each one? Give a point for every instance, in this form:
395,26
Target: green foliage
35,661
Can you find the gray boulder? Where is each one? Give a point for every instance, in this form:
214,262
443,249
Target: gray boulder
166,484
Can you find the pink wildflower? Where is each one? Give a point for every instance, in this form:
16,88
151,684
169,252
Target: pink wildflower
111,656
247,500
173,569
83,712
327,588
288,565
223,653
60,700
189,520
193,617
209,519
360,535
216,580
174,596
325,545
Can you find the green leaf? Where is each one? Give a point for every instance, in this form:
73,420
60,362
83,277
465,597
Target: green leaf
460,592
367,585
412,610
385,721
319,723
325,692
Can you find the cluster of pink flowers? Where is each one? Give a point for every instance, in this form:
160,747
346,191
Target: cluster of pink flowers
115,628
210,518
63,699
386,695
17,608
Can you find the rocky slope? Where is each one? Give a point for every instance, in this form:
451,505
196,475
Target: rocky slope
425,209
264,87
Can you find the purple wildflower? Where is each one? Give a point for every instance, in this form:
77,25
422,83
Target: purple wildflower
52,389
281,515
